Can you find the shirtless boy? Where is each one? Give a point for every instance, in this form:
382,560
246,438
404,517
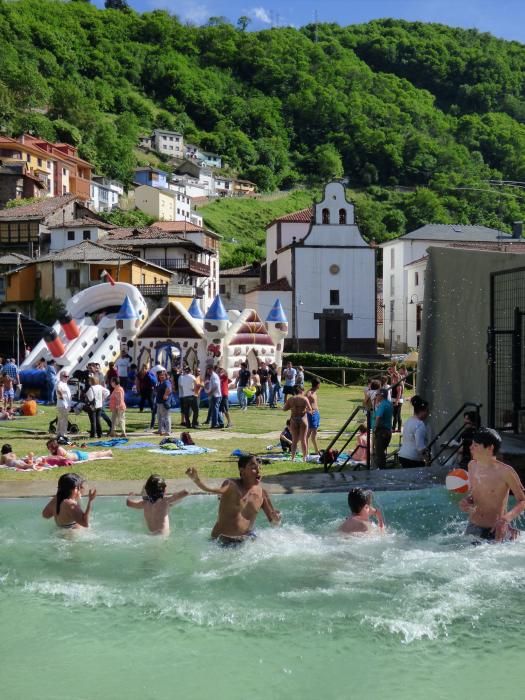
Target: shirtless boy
491,482
299,407
360,504
156,505
240,501
314,419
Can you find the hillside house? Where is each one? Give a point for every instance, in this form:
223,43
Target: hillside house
151,176
105,193
71,233
17,182
236,282
212,160
7,263
170,143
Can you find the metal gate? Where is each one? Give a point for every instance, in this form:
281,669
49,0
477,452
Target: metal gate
506,350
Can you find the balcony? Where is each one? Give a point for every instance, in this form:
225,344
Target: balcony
153,290
191,267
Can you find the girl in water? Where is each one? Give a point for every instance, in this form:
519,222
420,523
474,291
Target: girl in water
65,506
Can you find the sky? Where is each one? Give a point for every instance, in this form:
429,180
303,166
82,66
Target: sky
503,18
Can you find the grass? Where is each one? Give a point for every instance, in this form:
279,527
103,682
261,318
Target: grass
336,404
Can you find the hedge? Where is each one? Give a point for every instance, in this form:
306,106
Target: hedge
317,359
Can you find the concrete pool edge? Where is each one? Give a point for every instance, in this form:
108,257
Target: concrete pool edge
378,480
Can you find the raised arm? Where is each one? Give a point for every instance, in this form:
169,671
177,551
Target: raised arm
139,505
78,515
50,509
174,498
194,476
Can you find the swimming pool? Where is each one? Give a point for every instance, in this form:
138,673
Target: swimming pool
300,613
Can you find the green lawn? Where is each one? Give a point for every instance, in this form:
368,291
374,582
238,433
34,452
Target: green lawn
336,404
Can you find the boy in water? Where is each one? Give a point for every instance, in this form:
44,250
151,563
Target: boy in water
156,505
358,523
491,482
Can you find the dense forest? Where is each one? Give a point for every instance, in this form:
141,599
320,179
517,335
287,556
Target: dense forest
388,104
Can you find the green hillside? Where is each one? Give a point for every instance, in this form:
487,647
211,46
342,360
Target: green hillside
386,104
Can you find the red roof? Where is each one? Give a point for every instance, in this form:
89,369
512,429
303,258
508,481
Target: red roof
146,232
303,216
177,226
280,285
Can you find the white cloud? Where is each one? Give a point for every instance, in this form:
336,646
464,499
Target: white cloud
186,10
262,15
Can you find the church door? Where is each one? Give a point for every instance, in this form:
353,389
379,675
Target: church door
333,335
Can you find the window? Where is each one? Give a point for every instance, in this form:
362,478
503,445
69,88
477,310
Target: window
273,270
418,317
40,162
242,289
143,278
326,216
392,285
64,171
28,158
416,279
86,235
222,289
334,297
73,278
279,236
392,304
70,235
64,189
342,216
392,257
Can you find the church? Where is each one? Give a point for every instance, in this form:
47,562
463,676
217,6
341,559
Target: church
324,274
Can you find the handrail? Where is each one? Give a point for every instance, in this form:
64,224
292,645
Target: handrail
447,425
323,379
356,410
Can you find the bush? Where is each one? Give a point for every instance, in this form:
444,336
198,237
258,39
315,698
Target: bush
354,373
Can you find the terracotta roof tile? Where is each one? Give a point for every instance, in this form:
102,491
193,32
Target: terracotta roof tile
253,270
280,285
85,221
303,216
37,210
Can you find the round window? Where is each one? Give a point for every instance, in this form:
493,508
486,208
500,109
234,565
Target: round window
334,269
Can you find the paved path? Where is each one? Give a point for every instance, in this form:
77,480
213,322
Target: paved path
378,480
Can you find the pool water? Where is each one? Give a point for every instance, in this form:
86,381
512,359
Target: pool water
113,613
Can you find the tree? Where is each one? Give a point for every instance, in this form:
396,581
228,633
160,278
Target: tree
243,22
116,5
48,309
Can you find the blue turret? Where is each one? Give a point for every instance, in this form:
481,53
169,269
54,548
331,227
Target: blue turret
216,321
277,314
277,325
126,317
195,310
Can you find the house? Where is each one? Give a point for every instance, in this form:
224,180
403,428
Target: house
17,182
236,282
151,176
324,273
162,203
404,265
191,186
7,263
62,274
224,186
38,163
192,152
26,229
171,143
190,252
105,193
244,188
71,233
201,174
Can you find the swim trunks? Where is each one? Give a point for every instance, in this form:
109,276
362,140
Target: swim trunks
488,534
9,393
314,420
228,541
81,456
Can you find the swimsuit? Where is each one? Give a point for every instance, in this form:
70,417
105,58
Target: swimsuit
235,541
298,420
81,456
314,420
488,533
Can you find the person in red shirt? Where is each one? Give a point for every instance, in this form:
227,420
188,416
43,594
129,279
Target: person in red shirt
224,406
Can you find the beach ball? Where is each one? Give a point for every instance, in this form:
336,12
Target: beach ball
457,481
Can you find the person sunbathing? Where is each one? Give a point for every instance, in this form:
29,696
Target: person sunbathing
75,455
9,459
6,415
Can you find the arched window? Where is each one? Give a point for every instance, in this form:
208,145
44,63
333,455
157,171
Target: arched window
326,216
342,216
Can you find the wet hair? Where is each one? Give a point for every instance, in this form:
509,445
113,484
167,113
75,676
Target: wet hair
418,403
473,417
357,500
155,488
66,485
244,460
6,449
487,437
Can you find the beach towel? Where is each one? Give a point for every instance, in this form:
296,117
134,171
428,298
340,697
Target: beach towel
136,446
187,450
112,442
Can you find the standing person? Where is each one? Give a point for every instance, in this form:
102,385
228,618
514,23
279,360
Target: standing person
240,501
256,383
95,395
490,483
156,505
66,507
63,403
146,383
122,366
299,407
415,438
11,370
8,391
117,405
214,394
186,388
299,379
397,401
264,376
51,380
195,400
275,385
112,372
314,418
289,375
224,407
243,382
163,395
382,428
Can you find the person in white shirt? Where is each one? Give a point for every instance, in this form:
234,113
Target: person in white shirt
63,393
95,396
214,392
122,367
415,437
186,389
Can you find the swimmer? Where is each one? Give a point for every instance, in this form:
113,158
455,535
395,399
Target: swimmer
299,407
65,506
75,455
491,482
9,459
240,501
156,504
358,523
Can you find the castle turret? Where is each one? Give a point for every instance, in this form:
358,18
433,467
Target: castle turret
195,312
126,318
216,326
277,325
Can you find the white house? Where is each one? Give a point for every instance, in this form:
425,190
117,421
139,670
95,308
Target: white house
319,258
404,264
73,232
212,160
171,143
236,282
105,193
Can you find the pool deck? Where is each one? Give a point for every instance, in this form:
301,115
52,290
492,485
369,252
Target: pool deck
377,480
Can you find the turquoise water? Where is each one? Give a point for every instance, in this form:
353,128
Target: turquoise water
113,613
